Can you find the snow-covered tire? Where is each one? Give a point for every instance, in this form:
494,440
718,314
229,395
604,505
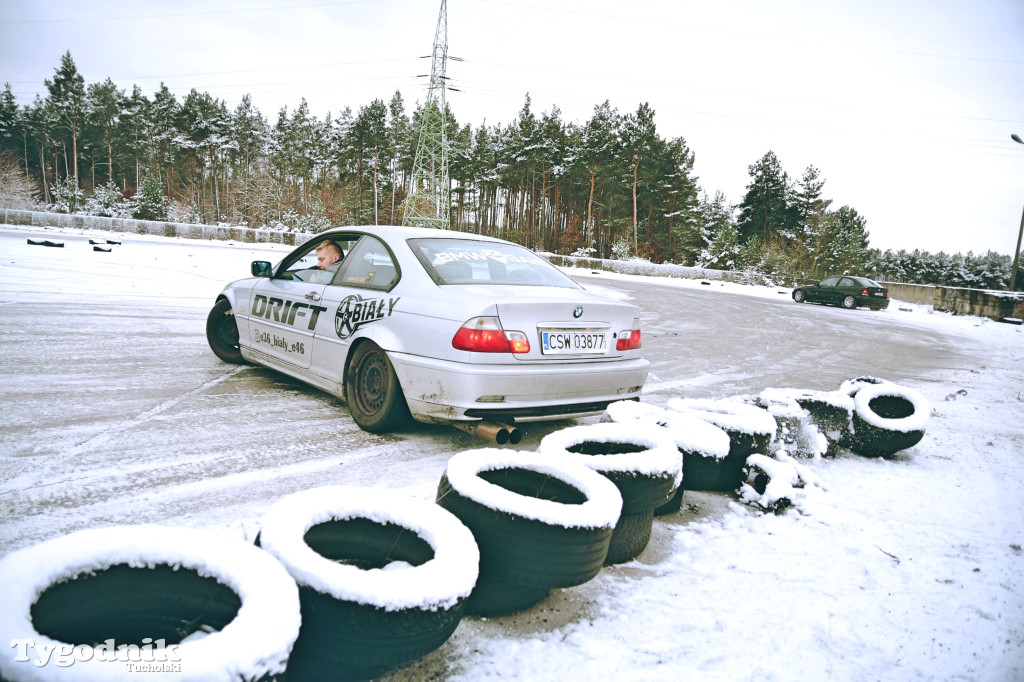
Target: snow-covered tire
831,412
236,605
538,523
644,464
703,445
750,429
887,418
383,578
851,386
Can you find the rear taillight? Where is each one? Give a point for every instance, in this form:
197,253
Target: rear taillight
629,339
864,293
485,335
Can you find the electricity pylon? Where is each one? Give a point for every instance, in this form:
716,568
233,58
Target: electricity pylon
428,203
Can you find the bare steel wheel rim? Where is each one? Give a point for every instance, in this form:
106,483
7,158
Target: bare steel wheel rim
372,383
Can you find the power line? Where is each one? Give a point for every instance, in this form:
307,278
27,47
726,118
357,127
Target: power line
146,17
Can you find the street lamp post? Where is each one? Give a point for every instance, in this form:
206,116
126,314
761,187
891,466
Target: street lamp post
1020,233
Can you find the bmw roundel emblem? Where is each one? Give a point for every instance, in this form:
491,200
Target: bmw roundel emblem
578,312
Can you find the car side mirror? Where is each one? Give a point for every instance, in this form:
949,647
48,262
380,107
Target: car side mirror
262,268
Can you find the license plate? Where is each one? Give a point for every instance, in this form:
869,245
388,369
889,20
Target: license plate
878,293
573,342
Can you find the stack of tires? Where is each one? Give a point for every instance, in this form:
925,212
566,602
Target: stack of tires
644,464
383,579
539,524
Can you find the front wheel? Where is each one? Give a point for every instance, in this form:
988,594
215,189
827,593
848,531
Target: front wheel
372,391
849,302
222,332
798,296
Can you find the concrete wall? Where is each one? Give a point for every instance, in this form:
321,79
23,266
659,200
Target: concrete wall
84,222
961,301
993,304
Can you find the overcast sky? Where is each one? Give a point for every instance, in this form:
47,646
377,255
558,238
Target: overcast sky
905,106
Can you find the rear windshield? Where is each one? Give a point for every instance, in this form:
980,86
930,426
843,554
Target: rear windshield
466,261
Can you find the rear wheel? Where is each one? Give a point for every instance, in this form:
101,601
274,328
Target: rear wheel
798,296
849,302
222,332
372,391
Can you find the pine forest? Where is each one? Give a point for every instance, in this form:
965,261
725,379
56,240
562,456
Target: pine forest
610,187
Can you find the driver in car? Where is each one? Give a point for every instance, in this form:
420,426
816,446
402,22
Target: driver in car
328,256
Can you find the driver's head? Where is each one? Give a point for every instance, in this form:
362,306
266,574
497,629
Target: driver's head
328,253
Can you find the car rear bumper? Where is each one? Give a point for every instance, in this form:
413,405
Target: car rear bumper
444,391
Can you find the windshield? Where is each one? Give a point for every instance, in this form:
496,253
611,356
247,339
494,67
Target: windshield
466,261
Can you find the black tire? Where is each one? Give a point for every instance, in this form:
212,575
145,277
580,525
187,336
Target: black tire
750,428
497,597
372,392
700,471
831,412
553,523
887,418
799,296
358,620
646,467
222,332
849,302
674,503
137,585
632,533
741,446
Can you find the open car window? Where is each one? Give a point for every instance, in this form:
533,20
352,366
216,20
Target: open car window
466,261
303,266
368,264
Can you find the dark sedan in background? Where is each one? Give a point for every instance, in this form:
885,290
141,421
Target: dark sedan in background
844,290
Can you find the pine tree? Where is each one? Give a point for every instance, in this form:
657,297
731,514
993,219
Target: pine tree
104,105
150,201
765,211
67,100
718,229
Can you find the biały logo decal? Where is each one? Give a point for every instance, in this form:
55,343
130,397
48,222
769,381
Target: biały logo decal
354,311
578,312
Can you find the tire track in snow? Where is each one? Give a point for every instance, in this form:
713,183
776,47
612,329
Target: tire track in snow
40,479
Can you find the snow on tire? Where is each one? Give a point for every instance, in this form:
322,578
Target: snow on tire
703,445
206,607
643,463
383,578
831,412
750,430
539,524
775,485
887,418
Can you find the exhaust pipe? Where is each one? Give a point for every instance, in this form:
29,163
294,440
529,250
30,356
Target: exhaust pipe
499,433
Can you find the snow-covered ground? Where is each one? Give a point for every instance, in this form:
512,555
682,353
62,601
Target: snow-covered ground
909,568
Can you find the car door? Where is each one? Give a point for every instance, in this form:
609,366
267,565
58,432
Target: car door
847,286
822,292
285,310
358,296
